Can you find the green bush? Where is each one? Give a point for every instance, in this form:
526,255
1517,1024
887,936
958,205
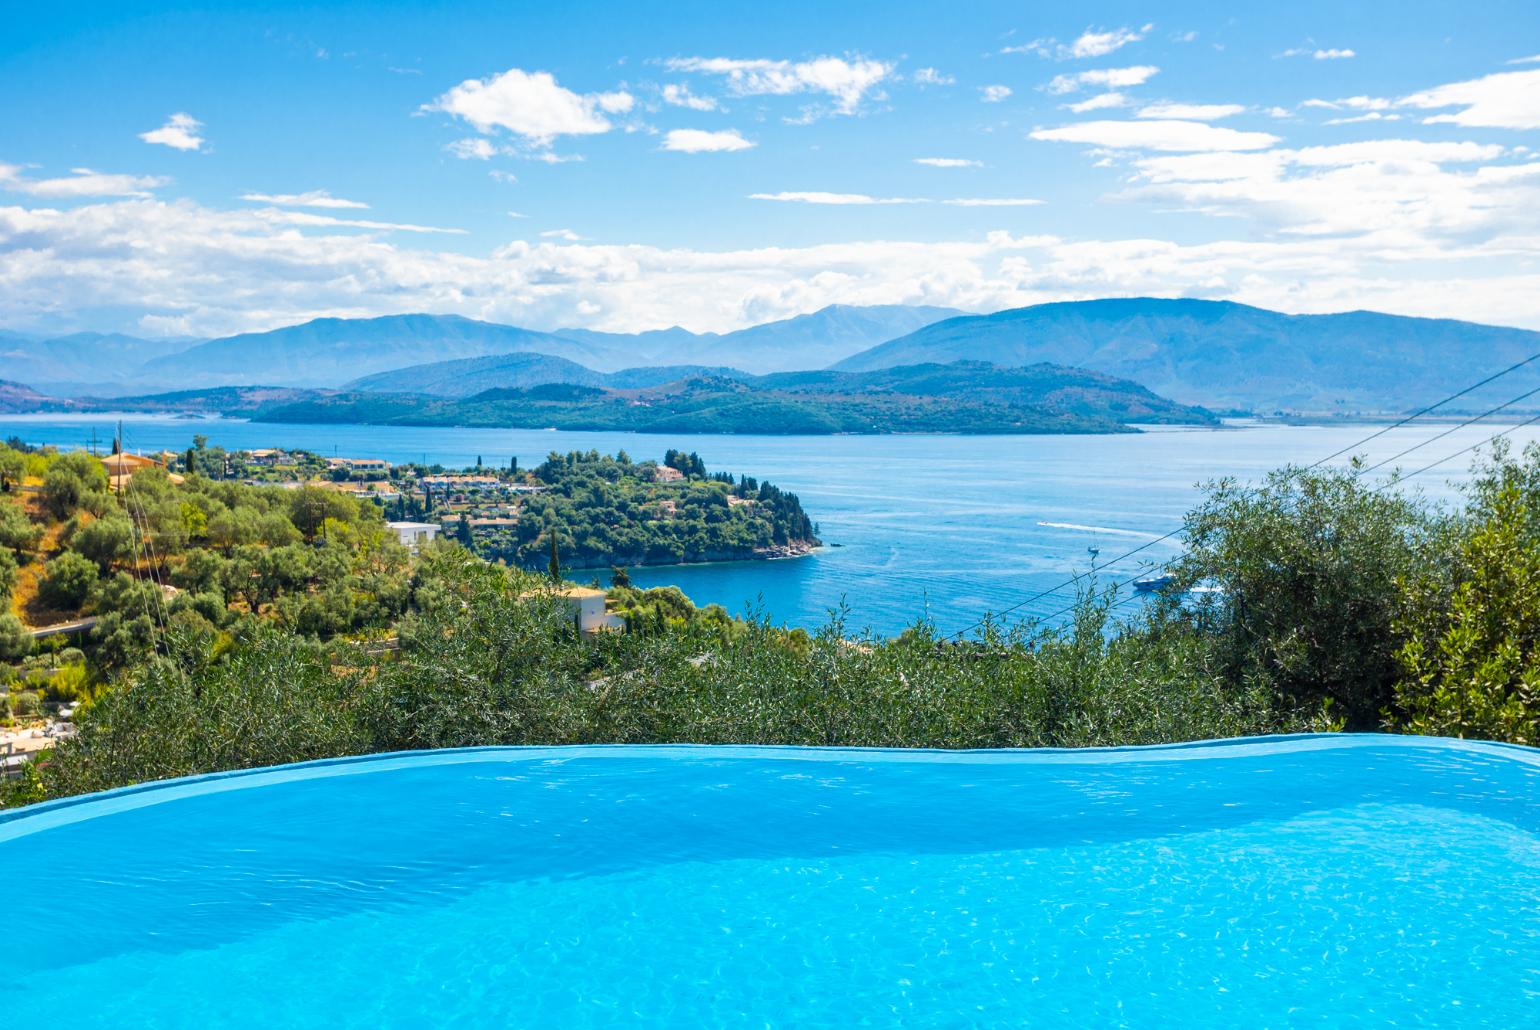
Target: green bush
75,481
68,581
1308,565
14,639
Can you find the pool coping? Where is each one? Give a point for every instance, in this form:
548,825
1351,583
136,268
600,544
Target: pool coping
28,819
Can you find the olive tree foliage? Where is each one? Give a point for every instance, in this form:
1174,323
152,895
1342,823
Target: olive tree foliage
75,481
1308,565
67,582
272,698
13,467
17,532
106,540
1471,622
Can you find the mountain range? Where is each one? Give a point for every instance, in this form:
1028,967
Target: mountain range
1218,354
1233,356
331,352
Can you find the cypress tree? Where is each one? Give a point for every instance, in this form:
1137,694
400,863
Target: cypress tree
555,566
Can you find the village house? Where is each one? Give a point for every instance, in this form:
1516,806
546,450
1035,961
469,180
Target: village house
588,610
267,457
414,534
370,465
122,467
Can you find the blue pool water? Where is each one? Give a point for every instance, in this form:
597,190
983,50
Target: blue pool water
1334,881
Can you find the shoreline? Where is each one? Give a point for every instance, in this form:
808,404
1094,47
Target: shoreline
790,552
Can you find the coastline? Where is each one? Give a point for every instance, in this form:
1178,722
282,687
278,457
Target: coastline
787,552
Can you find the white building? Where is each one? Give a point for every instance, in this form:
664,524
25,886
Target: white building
413,534
588,608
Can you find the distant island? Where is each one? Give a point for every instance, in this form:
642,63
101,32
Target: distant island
960,397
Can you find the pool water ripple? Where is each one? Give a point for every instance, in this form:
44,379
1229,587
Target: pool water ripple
1347,880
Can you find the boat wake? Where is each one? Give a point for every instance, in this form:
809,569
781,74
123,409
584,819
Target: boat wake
1100,529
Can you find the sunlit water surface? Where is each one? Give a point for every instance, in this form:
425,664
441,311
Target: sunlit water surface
1350,881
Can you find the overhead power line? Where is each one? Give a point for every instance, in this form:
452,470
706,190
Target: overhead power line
1074,579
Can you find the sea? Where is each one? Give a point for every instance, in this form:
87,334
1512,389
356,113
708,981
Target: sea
933,527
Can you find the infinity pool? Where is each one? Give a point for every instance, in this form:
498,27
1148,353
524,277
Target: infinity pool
1333,880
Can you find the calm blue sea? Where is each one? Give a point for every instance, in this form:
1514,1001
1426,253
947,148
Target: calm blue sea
945,525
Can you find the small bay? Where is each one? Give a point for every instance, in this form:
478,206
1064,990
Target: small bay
949,526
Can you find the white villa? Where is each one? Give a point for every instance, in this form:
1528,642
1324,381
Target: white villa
413,534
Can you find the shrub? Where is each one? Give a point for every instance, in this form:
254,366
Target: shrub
67,581
15,642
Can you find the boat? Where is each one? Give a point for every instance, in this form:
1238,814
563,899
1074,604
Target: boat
1150,584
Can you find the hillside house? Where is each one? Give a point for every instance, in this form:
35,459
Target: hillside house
588,610
414,534
369,466
122,467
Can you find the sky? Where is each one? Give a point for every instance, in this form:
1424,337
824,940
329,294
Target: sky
198,170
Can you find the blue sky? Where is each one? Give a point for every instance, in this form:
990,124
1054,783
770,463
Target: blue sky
170,169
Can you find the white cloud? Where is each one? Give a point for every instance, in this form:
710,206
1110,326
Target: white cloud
501,176
311,198
277,216
1099,44
1191,112
1359,103
994,94
1371,116
562,234
1157,135
212,271
699,141
530,105
948,162
180,133
1409,197
1090,43
992,202
817,197
1532,59
1278,112
1319,53
81,182
932,77
677,94
1105,78
846,82
472,148
1506,100
1100,102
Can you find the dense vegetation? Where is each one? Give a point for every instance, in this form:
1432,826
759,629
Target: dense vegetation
1343,604
610,511
964,397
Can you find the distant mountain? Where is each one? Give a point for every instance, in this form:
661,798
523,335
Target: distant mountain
67,363
469,376
16,398
1226,355
328,351
964,397
805,341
